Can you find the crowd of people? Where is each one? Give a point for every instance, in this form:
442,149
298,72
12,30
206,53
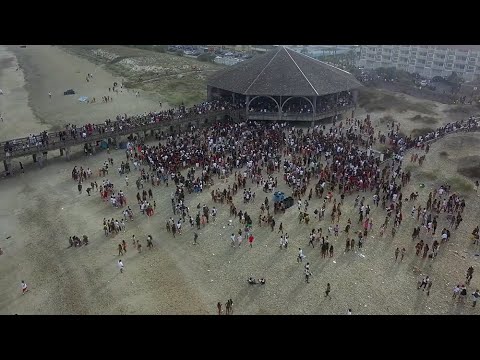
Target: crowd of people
339,162
332,164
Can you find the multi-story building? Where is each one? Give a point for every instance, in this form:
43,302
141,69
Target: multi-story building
427,60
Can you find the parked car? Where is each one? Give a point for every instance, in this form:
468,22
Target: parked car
69,92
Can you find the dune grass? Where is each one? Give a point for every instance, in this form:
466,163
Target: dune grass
375,100
427,120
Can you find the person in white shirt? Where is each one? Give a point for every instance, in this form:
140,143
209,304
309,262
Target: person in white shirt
24,287
444,237
349,312
120,265
456,291
300,256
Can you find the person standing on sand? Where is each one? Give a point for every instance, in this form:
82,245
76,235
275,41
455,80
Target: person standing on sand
456,291
429,285
25,287
50,95
250,240
195,237
124,246
219,308
300,256
308,273
120,250
463,294
403,254
469,274
397,251
327,291
120,265
229,307
21,167
475,297
424,283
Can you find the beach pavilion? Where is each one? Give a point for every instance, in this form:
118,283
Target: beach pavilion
284,85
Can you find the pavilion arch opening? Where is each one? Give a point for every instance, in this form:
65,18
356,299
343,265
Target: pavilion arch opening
265,104
298,105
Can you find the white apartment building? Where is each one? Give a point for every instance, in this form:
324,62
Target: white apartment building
427,60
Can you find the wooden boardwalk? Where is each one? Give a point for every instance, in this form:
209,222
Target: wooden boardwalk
22,147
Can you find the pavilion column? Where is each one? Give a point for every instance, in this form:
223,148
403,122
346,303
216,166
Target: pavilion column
209,93
314,102
336,107
7,163
280,109
355,99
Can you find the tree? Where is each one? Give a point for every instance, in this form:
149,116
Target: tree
206,57
387,73
454,79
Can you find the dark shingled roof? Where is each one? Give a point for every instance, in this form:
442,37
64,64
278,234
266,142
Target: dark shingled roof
283,72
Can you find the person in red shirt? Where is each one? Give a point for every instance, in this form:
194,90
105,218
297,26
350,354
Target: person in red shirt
250,240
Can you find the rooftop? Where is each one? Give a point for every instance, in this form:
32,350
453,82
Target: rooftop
283,72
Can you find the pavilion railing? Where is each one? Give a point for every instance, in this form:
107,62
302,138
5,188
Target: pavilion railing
275,116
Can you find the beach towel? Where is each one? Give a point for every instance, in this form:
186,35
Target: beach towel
83,98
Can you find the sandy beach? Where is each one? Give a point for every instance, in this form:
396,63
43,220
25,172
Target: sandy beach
42,208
